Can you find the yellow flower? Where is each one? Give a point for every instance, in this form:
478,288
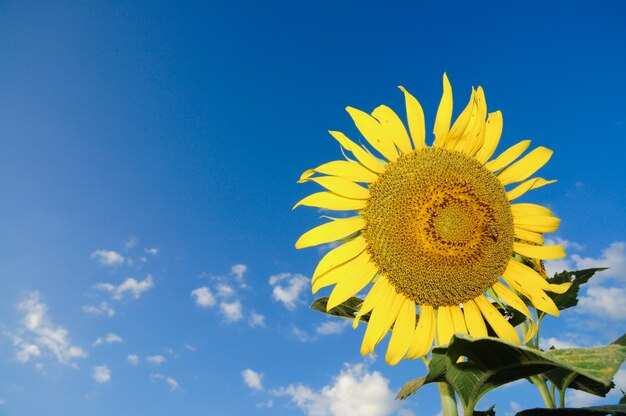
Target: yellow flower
434,227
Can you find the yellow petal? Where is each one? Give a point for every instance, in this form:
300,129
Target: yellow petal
348,170
373,133
355,279
377,293
508,156
445,326
393,128
342,187
444,115
511,299
529,209
537,223
526,166
415,118
474,319
422,339
537,296
533,237
458,320
474,135
329,200
381,319
366,159
521,189
401,333
493,131
330,231
528,276
540,252
500,325
345,270
339,255
462,121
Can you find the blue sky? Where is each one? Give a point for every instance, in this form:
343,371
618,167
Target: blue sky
148,167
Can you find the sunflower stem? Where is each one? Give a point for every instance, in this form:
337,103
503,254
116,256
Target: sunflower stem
448,399
543,390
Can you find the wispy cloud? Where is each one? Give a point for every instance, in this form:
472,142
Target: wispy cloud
156,359
101,374
287,288
231,311
332,327
131,286
174,386
256,320
102,309
37,335
109,338
133,359
252,379
203,297
153,251
108,257
238,271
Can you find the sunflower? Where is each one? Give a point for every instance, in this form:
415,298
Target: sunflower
435,228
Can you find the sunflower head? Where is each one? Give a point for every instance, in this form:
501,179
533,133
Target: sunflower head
434,228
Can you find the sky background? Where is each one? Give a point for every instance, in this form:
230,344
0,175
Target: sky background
148,164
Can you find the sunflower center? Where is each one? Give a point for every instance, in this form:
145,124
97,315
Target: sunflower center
439,226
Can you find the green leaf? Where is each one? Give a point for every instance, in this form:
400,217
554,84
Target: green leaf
617,409
570,298
410,388
492,362
587,369
347,309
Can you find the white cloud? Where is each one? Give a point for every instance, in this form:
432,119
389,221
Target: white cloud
191,348
38,334
153,251
332,327
287,288
132,286
355,391
203,296
108,258
109,338
169,380
556,343
577,398
225,290
101,374
613,257
256,320
156,359
238,270
231,311
252,379
604,302
102,309
133,359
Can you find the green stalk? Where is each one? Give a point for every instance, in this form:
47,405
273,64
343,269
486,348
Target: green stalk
543,390
448,399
